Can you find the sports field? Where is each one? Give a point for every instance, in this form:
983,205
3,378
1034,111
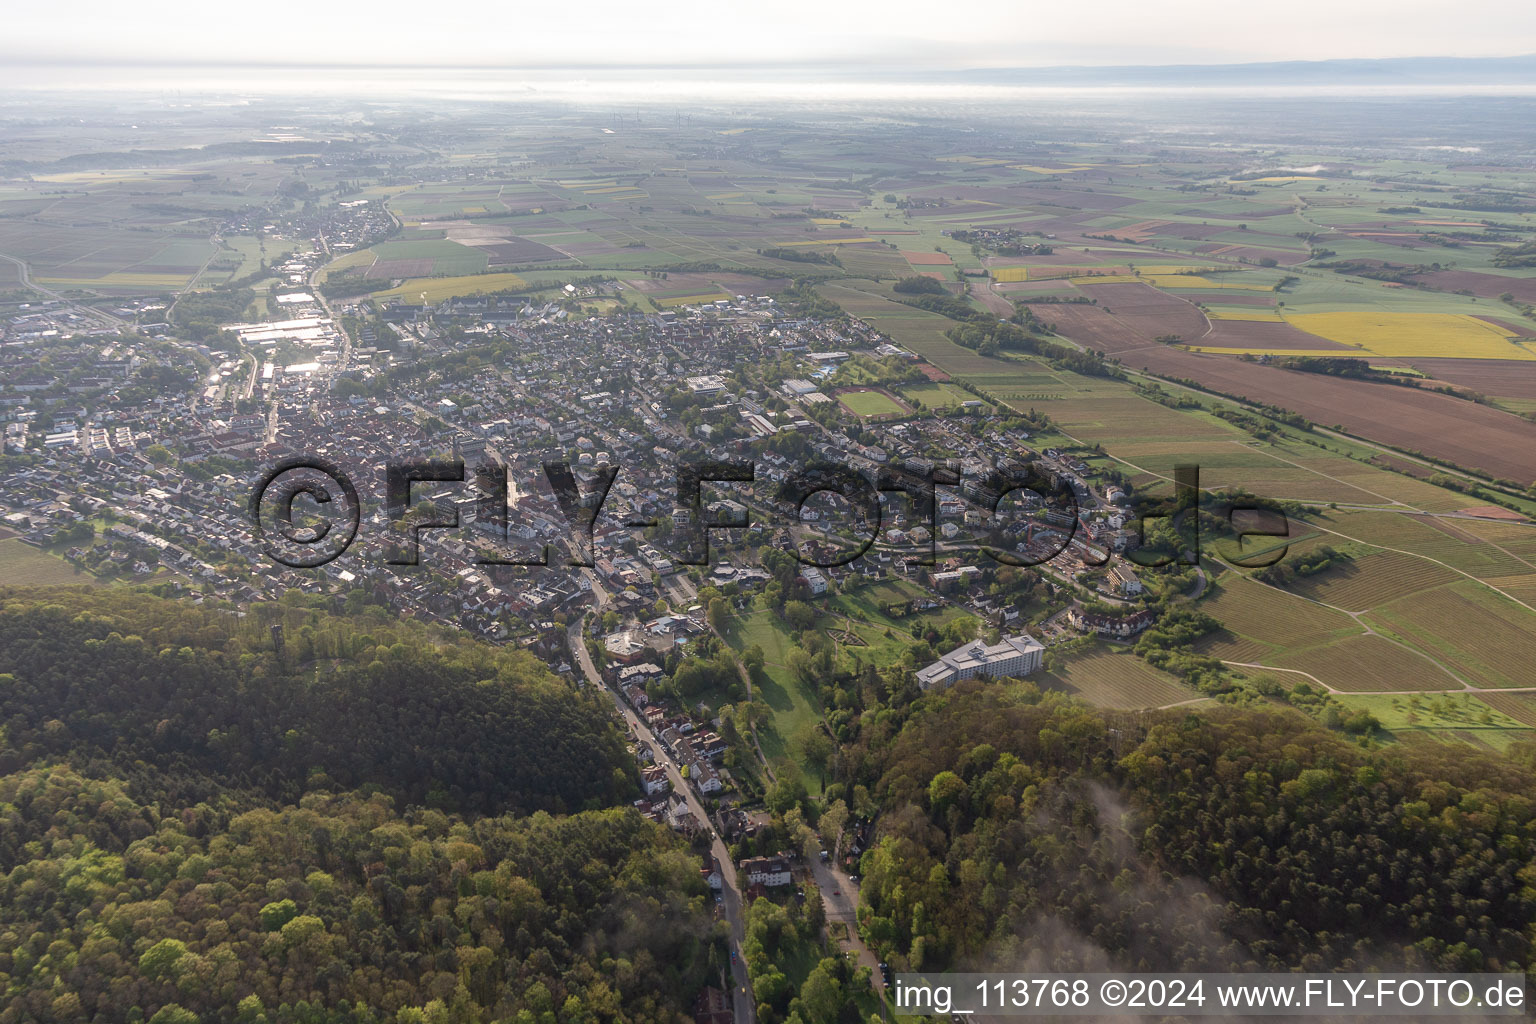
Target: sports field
872,403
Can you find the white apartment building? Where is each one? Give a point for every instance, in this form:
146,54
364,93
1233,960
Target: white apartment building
1011,656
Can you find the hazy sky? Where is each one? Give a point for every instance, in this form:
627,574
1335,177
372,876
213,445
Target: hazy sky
826,33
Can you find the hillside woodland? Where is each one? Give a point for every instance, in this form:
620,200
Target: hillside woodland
1021,828
358,828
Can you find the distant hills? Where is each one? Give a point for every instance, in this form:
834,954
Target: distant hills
1395,71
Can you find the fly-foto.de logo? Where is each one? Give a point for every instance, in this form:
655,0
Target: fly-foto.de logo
1022,516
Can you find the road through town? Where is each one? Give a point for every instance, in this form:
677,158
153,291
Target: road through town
741,996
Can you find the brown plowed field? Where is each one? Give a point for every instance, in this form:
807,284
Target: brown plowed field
1488,286
1515,330
1147,311
522,250
1091,326
1454,429
1503,378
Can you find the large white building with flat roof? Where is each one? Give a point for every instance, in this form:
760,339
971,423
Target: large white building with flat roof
1011,656
706,385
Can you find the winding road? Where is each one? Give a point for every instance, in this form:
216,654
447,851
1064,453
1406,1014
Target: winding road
741,989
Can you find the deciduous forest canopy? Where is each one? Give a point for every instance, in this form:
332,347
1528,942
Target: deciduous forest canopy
196,827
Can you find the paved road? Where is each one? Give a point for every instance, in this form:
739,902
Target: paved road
840,899
213,242
741,995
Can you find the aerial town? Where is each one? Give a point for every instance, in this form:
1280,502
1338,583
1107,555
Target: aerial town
468,567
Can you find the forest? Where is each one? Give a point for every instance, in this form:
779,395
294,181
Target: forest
1025,828
356,827
193,702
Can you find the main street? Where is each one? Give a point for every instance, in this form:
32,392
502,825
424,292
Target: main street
741,992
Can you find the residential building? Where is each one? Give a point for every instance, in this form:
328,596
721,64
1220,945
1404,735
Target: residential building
1118,627
656,781
766,871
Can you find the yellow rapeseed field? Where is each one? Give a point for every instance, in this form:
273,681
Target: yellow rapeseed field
1174,268
1414,335
1196,281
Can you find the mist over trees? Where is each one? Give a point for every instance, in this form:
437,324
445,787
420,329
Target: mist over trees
1028,828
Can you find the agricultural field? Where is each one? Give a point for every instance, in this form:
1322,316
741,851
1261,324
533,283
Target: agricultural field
1113,677
875,264
1268,628
936,395
1455,542
438,289
1454,430
690,299
1487,638
1478,719
1262,623
1365,664
131,231
426,258
443,201
21,563
1196,281
1519,706
1363,583
1397,336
